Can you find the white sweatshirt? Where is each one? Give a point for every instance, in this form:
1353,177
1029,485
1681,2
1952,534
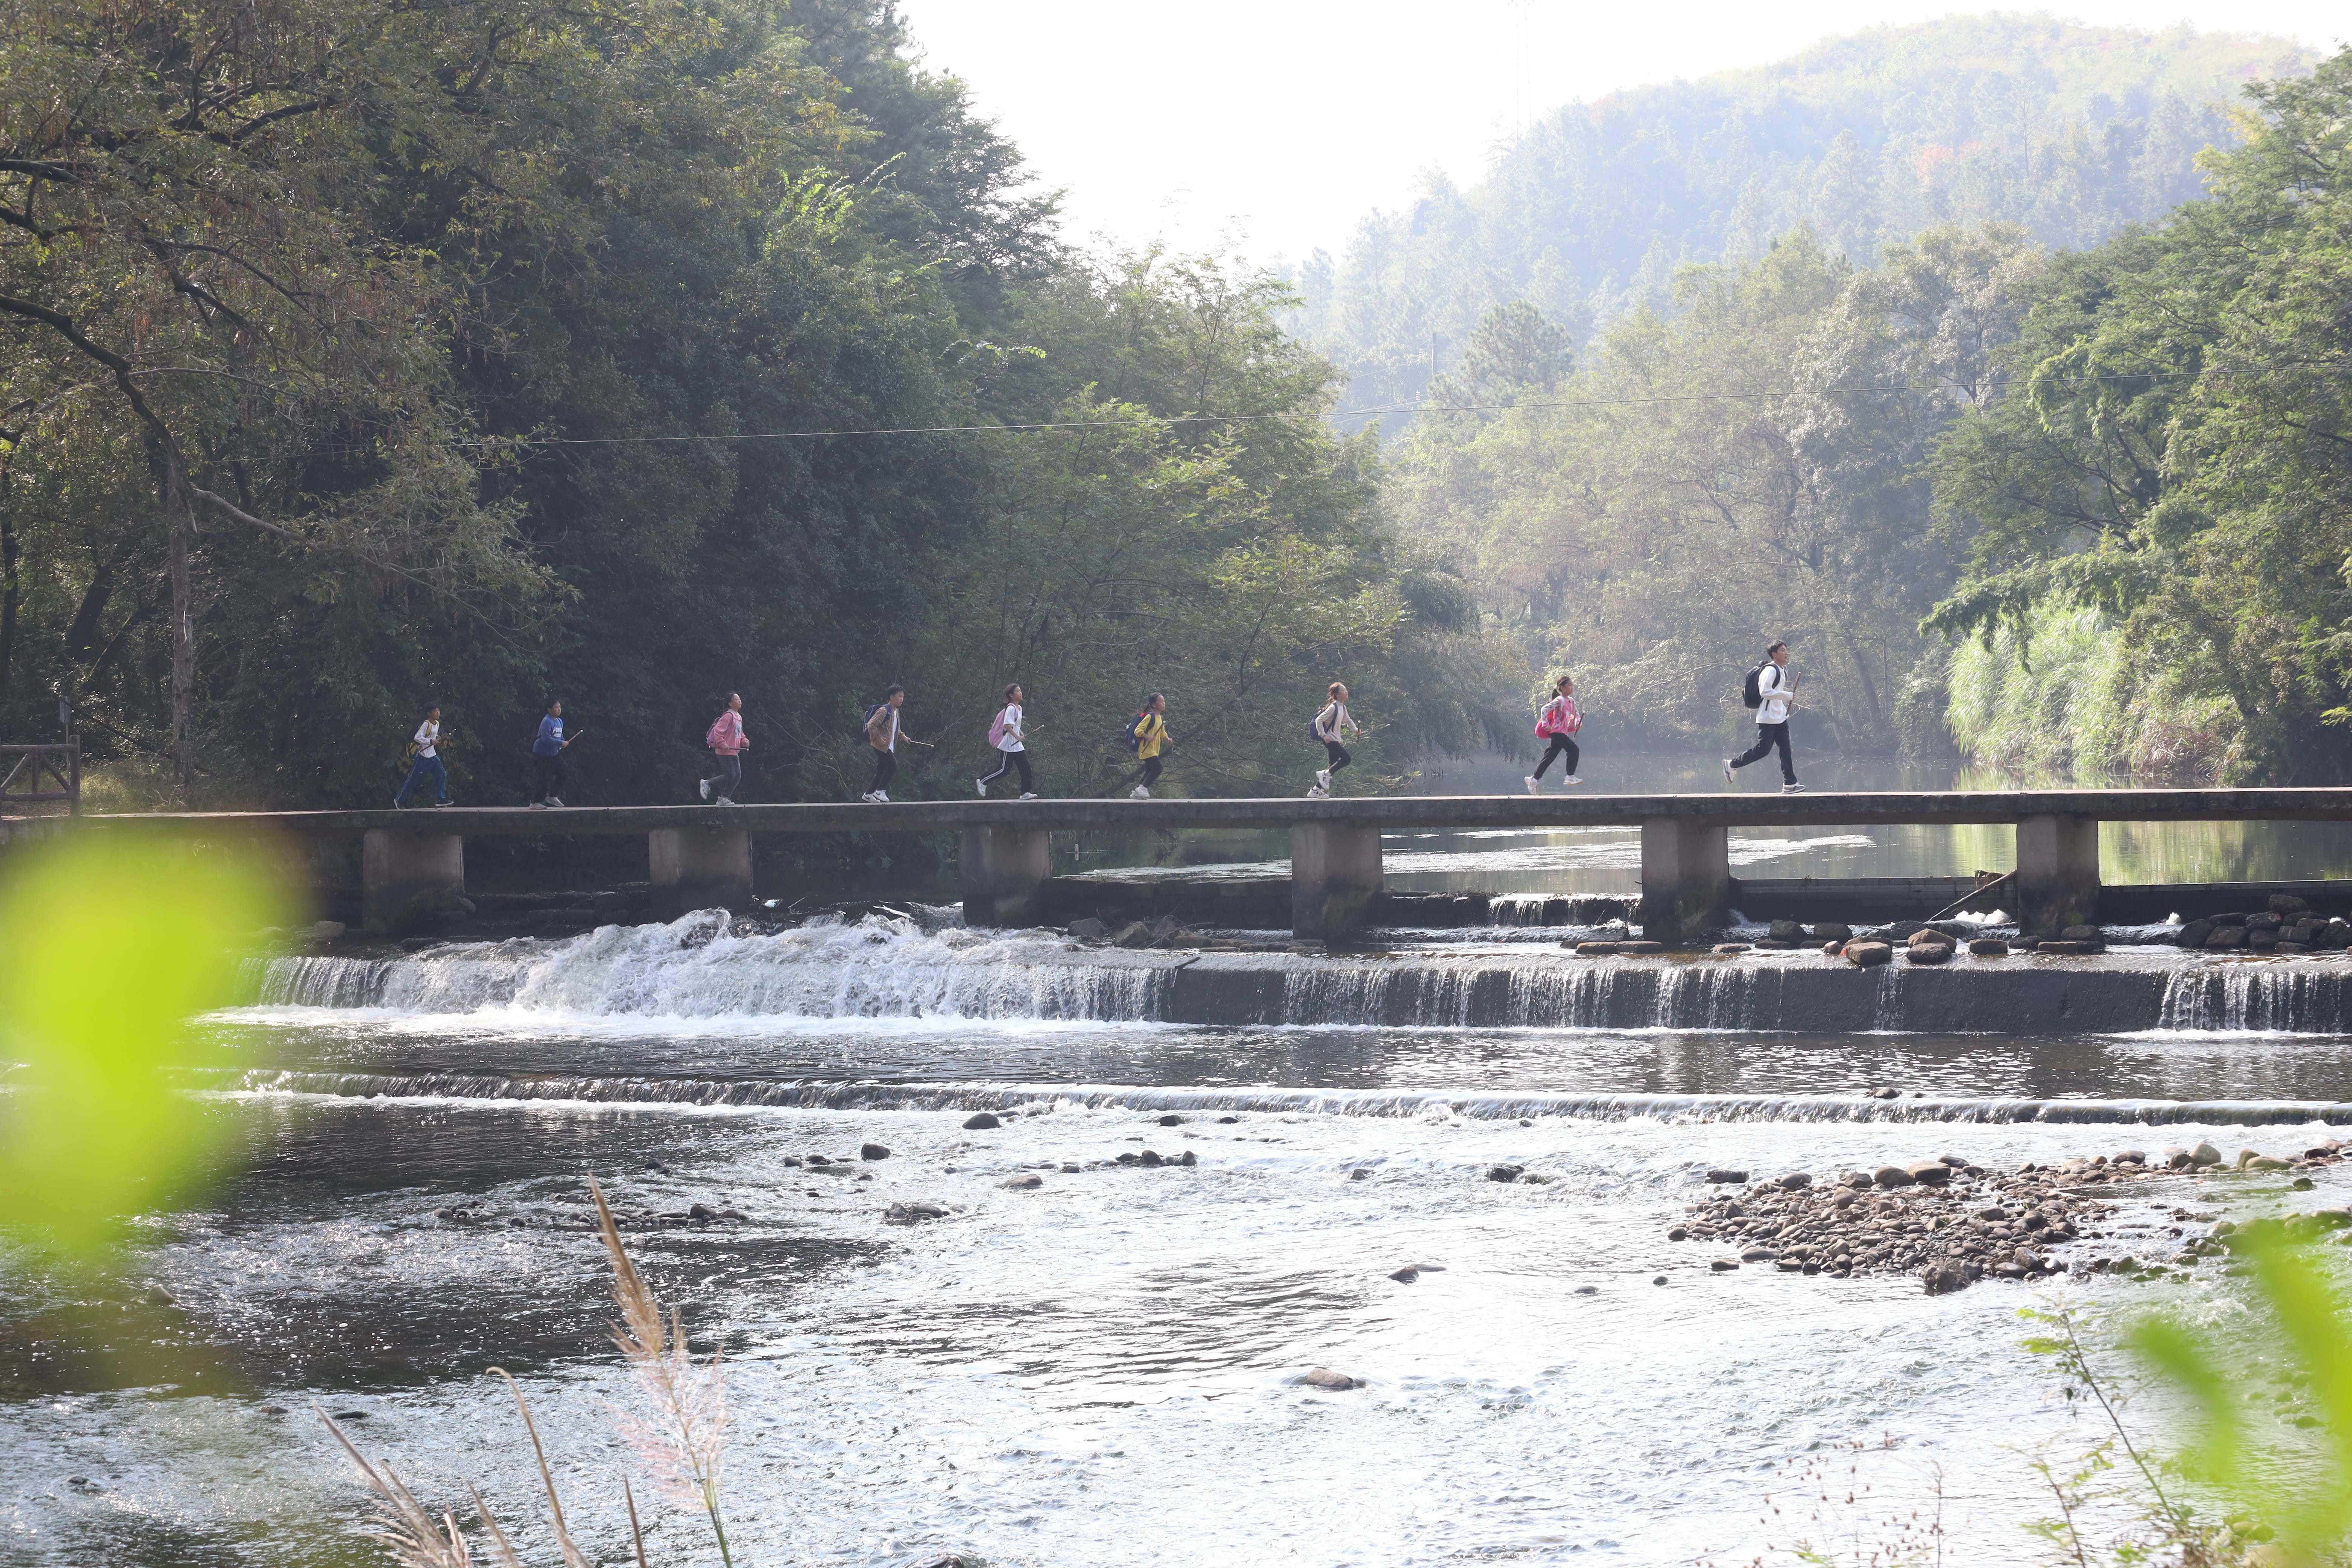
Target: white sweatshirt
1012,741
1776,689
428,735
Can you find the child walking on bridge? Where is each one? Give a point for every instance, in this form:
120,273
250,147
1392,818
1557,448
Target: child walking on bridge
1148,733
427,746
1006,733
1328,726
727,741
1559,722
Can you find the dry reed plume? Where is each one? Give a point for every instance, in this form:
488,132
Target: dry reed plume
680,1446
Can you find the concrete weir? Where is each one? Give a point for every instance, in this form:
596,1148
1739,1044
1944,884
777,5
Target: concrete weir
413,858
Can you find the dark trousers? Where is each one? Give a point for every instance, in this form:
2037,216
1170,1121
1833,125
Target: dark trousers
1767,737
885,768
420,769
1146,775
1019,759
1561,746
729,776
546,776
1335,756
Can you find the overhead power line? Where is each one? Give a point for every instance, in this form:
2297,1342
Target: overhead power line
1014,429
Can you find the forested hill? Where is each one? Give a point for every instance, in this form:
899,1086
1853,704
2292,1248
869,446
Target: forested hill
2069,132
357,356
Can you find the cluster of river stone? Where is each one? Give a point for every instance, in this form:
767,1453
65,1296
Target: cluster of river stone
2288,926
1954,1223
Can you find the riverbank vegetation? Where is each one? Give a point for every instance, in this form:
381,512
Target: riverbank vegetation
2086,512
359,355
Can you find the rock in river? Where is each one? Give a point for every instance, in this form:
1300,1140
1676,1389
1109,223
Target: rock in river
1025,1181
981,1121
1324,1377
872,1151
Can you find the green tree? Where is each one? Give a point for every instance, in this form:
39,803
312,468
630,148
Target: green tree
2176,453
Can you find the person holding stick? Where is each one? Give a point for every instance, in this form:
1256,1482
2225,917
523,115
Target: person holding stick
547,749
424,749
1006,734
882,735
1148,733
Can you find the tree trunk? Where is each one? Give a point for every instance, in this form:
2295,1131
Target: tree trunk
8,580
184,634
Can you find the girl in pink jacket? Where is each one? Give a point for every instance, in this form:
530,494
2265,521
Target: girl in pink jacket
728,741
1559,722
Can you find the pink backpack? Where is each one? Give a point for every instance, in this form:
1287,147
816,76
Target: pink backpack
1560,716
996,731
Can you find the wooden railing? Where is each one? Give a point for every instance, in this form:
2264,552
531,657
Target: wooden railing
23,771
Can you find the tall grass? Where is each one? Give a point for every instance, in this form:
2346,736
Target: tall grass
2067,695
679,1439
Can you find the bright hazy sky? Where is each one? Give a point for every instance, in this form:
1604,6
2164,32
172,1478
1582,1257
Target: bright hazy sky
1276,124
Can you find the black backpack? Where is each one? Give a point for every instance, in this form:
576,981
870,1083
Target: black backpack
1134,732
1748,693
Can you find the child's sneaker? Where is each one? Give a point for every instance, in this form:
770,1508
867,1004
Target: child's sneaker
1533,788
1571,779
982,785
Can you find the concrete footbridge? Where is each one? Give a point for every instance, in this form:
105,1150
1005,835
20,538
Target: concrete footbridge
700,856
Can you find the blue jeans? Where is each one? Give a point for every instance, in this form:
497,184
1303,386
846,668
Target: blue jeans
425,768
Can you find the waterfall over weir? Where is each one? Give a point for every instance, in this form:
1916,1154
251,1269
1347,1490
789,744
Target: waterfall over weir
694,968
886,968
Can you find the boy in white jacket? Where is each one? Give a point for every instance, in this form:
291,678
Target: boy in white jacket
1778,691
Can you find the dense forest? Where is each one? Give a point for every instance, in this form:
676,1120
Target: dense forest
2081,511
2067,131
358,355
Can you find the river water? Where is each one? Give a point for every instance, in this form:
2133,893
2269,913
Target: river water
1102,1371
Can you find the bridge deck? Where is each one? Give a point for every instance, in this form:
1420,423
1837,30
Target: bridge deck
412,862
1396,813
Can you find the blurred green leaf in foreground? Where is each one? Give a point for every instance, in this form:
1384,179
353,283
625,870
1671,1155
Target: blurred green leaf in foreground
2271,1400
108,949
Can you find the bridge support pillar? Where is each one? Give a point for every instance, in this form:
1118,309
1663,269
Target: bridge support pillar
2057,873
1685,878
1334,875
999,872
698,868
403,877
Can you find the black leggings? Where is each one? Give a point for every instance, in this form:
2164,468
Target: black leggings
1767,737
729,776
1013,760
1561,746
546,776
1335,756
885,767
1146,775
